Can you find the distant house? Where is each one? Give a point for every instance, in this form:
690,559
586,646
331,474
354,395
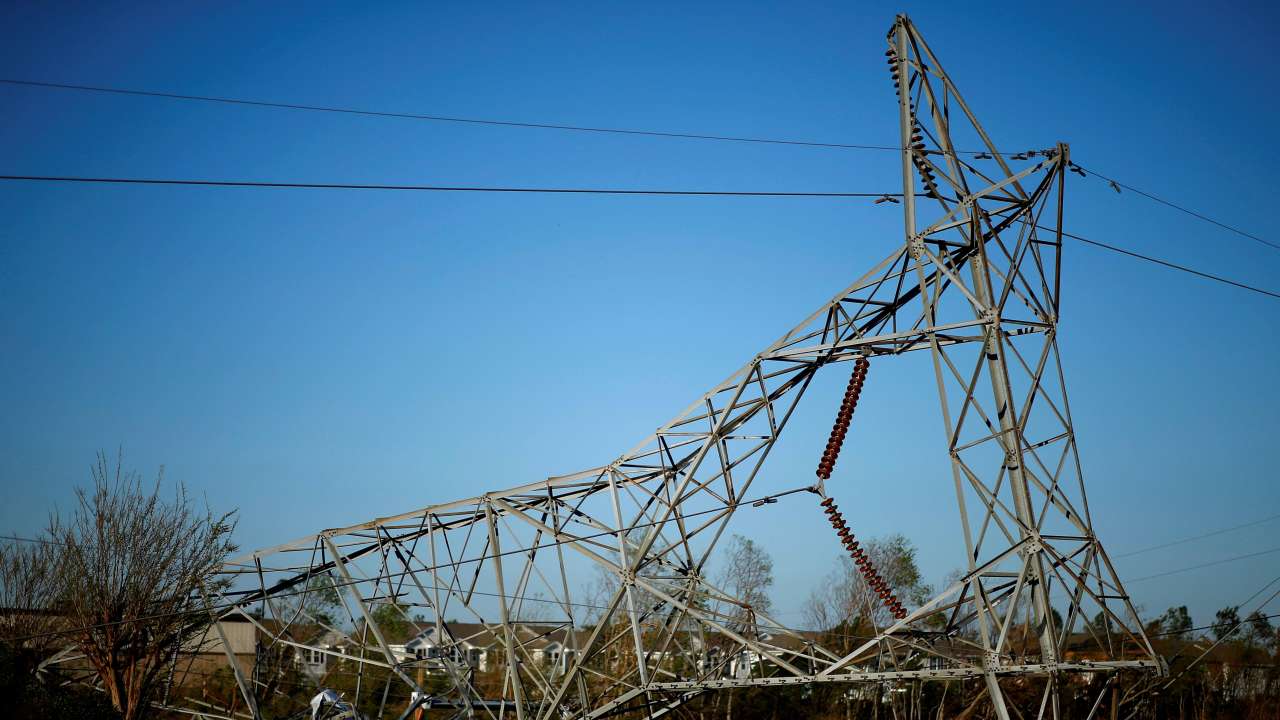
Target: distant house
481,647
325,649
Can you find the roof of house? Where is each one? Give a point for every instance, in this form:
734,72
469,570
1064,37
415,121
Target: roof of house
531,636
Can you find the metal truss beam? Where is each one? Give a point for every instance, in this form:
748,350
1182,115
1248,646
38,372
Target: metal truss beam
977,289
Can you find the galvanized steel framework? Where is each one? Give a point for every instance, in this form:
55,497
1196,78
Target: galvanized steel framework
975,284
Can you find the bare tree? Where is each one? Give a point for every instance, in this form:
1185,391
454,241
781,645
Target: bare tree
132,571
28,625
844,604
747,575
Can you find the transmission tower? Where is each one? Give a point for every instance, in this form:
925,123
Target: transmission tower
974,284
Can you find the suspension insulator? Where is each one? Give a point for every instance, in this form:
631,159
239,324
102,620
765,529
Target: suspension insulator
839,429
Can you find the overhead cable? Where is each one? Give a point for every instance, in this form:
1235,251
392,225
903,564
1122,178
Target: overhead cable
431,188
983,154
586,191
442,118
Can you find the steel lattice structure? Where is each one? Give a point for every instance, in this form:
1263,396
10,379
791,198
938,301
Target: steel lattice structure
975,285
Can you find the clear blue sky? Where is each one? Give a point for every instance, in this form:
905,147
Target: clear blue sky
316,358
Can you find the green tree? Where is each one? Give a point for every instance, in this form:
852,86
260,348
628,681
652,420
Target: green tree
1260,628
1102,622
1176,622
1226,621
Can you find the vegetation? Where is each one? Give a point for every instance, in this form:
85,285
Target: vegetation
121,578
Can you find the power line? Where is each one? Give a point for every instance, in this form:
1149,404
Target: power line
1229,632
579,128
444,118
1183,209
1169,264
434,188
1205,565
18,538
1195,537
1209,627
584,191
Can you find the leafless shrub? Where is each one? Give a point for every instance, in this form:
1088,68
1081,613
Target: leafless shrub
131,573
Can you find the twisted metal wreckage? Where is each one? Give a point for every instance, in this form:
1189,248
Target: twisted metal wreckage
975,286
